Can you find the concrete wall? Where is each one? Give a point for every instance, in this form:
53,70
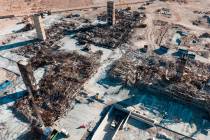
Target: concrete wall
121,125
100,129
98,135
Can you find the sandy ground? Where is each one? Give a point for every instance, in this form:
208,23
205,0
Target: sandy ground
19,7
22,6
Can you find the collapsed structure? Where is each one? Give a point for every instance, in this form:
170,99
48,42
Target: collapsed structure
159,76
55,33
111,37
53,97
72,69
65,73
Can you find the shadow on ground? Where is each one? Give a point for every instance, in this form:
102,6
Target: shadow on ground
18,44
12,97
172,111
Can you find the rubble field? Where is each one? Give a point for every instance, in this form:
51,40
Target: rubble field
159,75
152,59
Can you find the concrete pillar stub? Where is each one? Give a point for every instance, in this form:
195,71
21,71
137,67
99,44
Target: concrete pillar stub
111,12
39,27
27,76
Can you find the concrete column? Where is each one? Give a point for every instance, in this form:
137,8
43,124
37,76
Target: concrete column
111,12
32,88
28,76
39,27
181,68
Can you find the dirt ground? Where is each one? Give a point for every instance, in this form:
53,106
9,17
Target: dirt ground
26,6
17,7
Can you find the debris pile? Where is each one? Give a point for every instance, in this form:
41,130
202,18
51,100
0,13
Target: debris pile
64,77
102,17
54,34
158,74
159,22
205,35
110,36
201,12
203,20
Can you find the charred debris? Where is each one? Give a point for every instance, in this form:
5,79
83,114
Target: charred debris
66,72
160,76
